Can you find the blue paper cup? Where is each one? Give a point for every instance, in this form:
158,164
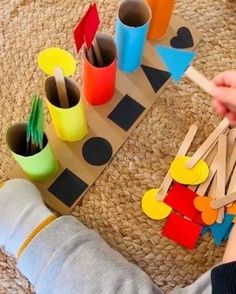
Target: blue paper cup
131,30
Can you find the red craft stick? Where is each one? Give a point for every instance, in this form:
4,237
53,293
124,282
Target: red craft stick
86,29
180,198
181,230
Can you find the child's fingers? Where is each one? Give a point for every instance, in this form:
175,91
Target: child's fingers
225,95
227,78
231,117
220,108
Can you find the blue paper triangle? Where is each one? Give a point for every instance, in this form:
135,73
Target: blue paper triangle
176,61
221,231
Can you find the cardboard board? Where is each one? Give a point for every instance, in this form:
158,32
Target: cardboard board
70,155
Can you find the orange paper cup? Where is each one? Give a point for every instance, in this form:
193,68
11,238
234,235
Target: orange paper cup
161,14
99,82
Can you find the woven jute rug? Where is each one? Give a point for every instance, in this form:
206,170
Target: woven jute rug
112,206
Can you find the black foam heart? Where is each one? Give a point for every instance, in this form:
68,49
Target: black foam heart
183,39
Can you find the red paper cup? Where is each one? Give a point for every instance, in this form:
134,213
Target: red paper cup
99,82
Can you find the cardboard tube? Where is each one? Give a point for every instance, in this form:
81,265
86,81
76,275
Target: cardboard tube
38,167
161,14
99,82
69,123
131,30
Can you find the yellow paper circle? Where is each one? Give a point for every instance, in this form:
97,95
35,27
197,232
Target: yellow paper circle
181,174
51,58
152,207
204,172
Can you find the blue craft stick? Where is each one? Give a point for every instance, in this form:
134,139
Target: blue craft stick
221,231
176,61
130,42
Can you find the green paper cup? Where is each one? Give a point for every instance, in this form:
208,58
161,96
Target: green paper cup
38,167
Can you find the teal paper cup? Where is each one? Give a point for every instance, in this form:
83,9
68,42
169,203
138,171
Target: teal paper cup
131,30
38,167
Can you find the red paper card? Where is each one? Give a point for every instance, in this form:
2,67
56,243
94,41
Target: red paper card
181,230
180,198
86,29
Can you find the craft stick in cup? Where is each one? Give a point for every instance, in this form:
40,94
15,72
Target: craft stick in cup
99,82
61,88
85,32
69,123
38,167
131,30
161,14
59,63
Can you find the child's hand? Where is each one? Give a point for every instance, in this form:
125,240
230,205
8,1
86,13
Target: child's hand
224,94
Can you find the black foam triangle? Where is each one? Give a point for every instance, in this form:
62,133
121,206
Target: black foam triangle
156,77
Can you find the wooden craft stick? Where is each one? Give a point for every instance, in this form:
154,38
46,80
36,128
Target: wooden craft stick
202,189
211,160
209,157
231,140
219,203
61,88
184,147
208,143
221,174
232,183
198,78
97,52
90,55
231,163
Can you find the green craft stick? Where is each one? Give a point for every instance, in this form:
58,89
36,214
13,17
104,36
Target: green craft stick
35,126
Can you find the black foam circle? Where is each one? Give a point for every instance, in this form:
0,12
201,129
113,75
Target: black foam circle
97,151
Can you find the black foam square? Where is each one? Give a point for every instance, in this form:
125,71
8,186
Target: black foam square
126,112
68,187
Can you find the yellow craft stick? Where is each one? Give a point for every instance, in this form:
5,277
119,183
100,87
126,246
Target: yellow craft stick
61,87
198,78
208,143
219,203
221,174
182,151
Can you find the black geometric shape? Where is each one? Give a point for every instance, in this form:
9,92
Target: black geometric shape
68,187
97,151
126,112
156,77
183,39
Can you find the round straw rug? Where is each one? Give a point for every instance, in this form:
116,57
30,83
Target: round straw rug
112,206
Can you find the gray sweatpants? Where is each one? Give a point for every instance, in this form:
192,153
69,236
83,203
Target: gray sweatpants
68,258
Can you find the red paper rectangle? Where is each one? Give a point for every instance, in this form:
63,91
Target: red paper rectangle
180,198
86,29
181,230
